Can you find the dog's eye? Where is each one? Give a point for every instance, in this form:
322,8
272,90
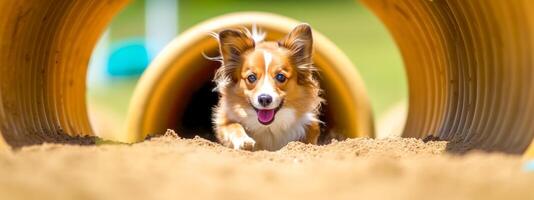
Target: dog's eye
280,78
252,78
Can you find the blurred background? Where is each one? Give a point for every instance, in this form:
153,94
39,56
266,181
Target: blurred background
144,27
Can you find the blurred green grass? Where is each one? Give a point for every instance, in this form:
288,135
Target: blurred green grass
351,26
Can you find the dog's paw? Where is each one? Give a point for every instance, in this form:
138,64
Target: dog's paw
243,142
234,136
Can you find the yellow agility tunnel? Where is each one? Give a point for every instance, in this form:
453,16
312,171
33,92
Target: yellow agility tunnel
177,88
469,66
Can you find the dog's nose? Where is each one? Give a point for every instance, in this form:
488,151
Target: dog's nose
265,100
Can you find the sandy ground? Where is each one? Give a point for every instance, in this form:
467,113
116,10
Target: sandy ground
169,167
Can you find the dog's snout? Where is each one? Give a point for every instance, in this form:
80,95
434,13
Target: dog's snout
265,100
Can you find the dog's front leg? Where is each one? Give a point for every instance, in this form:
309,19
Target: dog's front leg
233,135
312,134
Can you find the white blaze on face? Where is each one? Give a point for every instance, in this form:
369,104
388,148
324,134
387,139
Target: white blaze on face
267,85
267,59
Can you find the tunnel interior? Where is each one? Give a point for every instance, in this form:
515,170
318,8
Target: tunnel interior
194,118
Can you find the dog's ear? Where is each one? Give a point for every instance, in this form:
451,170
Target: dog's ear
300,44
232,44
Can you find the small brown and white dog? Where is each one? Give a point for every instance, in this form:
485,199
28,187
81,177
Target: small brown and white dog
269,95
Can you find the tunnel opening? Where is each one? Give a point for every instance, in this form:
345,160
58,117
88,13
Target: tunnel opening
176,90
195,116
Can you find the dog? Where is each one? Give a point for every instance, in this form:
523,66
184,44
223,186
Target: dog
269,94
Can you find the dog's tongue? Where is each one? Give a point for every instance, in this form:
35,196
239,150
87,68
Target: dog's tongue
265,116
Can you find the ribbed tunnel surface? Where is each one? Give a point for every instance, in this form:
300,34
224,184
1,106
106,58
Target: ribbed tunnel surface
469,67
45,47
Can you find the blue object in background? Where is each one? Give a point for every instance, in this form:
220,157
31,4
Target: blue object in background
127,58
135,37
529,166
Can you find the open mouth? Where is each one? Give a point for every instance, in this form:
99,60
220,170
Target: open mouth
266,116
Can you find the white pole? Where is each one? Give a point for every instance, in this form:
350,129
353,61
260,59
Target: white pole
161,24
